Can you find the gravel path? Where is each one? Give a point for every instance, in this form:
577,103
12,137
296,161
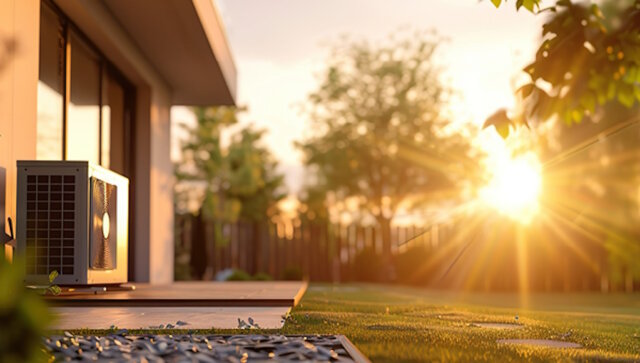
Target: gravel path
121,347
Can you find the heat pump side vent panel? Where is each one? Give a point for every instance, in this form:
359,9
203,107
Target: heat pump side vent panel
50,224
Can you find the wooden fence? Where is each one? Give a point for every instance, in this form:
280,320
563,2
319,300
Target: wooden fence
319,252
437,256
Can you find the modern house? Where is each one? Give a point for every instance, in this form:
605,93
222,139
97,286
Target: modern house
95,80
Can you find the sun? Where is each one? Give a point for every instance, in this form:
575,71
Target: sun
514,187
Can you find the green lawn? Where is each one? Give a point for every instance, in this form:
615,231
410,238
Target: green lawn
391,324
399,324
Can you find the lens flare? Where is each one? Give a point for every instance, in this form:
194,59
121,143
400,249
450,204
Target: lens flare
514,187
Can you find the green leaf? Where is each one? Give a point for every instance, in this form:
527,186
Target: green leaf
550,8
503,130
53,275
567,117
500,121
496,3
530,69
630,76
529,4
576,115
54,289
588,101
601,95
595,10
626,96
526,89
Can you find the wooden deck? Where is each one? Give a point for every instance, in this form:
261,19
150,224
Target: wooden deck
191,294
202,305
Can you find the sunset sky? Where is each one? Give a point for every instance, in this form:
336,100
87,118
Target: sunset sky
280,48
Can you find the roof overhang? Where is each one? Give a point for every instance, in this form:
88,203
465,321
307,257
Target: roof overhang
185,41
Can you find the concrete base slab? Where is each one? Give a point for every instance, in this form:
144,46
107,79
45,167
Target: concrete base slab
69,318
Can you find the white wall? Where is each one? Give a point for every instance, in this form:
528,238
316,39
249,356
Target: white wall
20,23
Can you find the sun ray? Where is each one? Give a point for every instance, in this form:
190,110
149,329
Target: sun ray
458,240
523,265
570,171
567,241
488,253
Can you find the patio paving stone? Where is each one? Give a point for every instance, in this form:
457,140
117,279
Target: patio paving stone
69,318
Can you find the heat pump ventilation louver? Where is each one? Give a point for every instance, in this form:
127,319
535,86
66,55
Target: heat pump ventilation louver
50,223
103,225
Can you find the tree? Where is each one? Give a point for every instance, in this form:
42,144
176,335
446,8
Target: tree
239,181
254,180
380,132
589,56
203,165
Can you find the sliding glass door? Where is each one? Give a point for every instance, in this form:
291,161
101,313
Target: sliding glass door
85,105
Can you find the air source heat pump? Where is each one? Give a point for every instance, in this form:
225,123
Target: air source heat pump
72,217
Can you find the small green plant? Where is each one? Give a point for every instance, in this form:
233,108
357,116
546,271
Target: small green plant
239,275
292,274
262,276
52,288
24,316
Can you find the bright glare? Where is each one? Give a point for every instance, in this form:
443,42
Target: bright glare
515,183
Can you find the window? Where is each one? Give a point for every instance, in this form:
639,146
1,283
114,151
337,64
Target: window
83,112
84,103
113,124
50,87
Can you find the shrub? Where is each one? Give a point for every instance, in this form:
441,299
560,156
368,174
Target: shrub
239,275
292,274
410,266
262,276
368,265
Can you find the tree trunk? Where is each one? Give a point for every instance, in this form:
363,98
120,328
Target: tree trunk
256,251
198,248
388,270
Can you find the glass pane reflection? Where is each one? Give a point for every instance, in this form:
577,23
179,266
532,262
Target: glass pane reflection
83,122
50,87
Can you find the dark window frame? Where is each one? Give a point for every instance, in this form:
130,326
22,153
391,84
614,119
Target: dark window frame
107,69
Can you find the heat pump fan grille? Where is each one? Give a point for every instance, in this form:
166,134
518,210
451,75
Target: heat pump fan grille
50,224
103,225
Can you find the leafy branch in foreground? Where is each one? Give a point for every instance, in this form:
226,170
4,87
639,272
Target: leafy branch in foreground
589,56
24,316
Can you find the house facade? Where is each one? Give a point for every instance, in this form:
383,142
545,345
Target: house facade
95,80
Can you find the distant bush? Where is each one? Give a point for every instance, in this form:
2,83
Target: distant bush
262,276
410,266
368,265
239,275
292,274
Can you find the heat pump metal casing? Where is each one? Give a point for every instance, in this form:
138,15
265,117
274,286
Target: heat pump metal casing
61,207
